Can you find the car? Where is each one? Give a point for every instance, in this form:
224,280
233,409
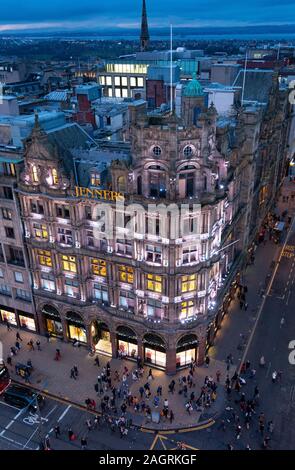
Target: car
22,397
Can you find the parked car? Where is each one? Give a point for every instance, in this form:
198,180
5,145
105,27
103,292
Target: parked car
22,397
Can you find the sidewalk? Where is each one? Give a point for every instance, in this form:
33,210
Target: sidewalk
54,377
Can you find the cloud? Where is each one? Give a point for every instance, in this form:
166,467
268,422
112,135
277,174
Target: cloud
94,14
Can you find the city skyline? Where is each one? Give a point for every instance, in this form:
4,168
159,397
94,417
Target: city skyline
90,15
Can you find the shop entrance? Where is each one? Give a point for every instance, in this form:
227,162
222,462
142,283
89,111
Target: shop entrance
154,350
101,337
53,324
127,342
76,327
186,350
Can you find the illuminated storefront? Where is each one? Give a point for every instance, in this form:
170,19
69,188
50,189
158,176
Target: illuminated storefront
127,342
27,321
186,350
8,316
101,338
53,324
154,350
76,327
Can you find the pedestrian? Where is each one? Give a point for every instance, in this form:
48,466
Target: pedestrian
47,335
31,345
274,376
57,355
57,431
159,391
83,443
47,443
171,416
248,363
150,375
72,374
9,360
18,337
207,361
8,326
38,345
238,431
17,345
282,322
76,372
246,306
279,375
166,404
218,375
270,427
89,424
96,361
241,304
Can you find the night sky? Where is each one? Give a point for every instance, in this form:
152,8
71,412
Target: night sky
99,14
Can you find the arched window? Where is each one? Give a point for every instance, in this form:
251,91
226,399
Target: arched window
121,184
54,176
35,174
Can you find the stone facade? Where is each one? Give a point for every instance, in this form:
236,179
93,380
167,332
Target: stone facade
154,286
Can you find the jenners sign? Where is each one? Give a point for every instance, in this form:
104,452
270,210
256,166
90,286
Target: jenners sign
103,194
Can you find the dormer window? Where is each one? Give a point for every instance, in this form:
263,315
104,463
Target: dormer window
54,176
95,179
35,174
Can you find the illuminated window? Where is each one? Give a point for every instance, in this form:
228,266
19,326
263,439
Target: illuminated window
124,93
102,80
188,283
126,274
108,80
54,176
154,282
69,263
140,82
35,174
118,92
110,92
40,231
124,81
44,258
117,81
186,309
132,81
99,267
95,179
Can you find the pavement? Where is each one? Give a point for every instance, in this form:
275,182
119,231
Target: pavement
54,377
247,335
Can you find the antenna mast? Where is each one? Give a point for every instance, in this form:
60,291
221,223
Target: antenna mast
171,71
244,78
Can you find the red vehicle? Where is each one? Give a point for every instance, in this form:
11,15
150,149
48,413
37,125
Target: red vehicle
5,379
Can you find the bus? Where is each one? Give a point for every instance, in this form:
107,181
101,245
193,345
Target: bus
5,379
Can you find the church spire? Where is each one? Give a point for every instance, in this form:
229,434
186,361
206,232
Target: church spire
144,35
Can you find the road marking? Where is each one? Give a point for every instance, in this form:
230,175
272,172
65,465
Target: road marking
64,413
264,298
17,444
268,370
11,423
10,406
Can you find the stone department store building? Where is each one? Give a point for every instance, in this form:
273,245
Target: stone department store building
149,292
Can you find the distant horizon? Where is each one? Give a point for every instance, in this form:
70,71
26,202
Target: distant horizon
66,15
287,28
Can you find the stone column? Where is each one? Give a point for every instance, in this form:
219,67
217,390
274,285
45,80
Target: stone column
201,351
114,344
171,361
